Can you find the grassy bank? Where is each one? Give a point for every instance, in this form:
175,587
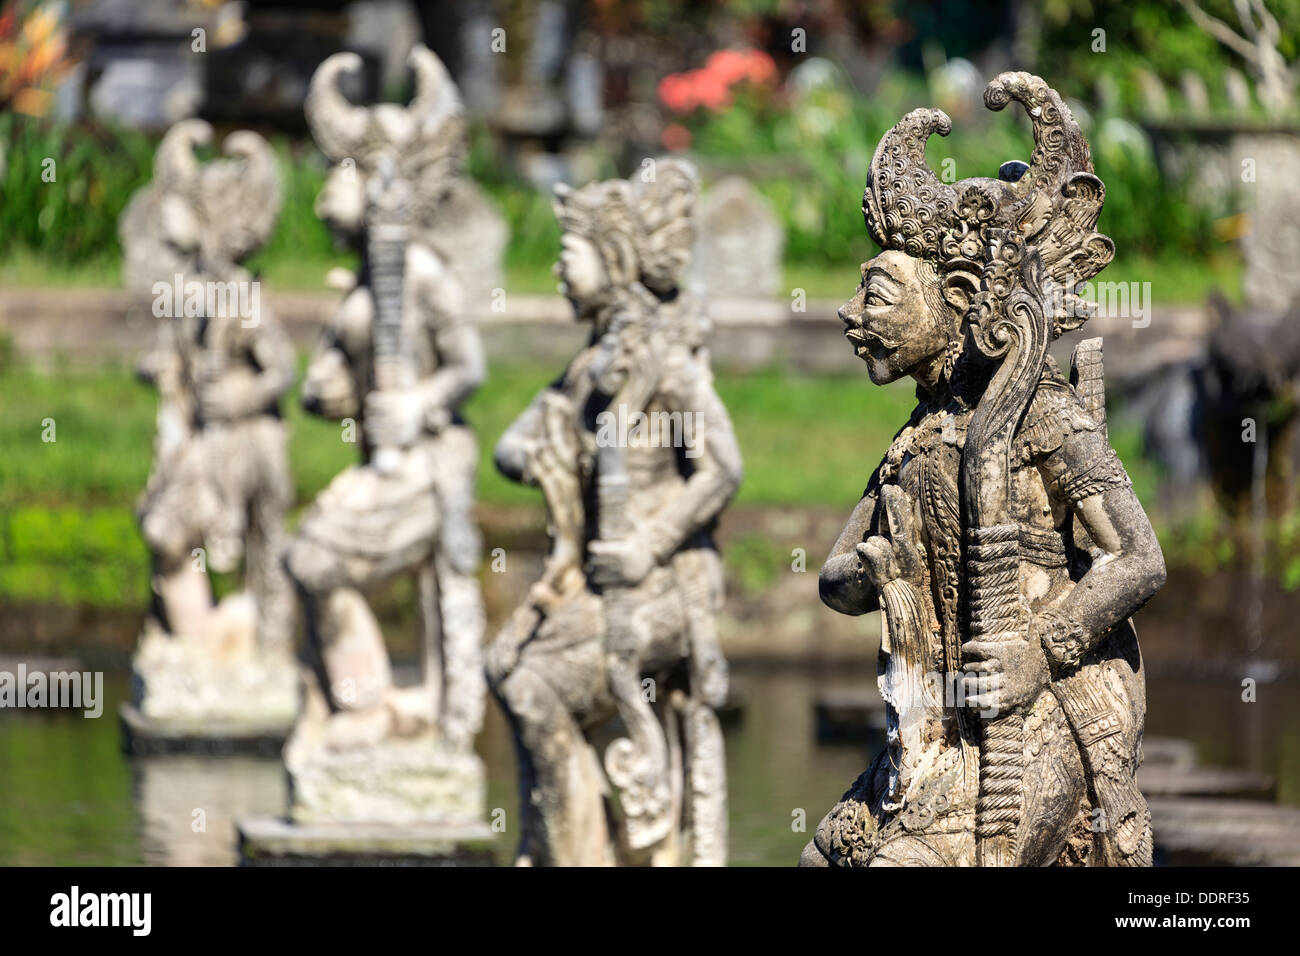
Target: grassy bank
68,534
1174,281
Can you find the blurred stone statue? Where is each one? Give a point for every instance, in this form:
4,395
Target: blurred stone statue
394,364
635,455
220,484
1000,537
1230,417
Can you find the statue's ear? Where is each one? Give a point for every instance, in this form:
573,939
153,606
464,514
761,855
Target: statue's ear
959,288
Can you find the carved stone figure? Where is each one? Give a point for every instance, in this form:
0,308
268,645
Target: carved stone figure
398,358
1000,537
636,457
220,484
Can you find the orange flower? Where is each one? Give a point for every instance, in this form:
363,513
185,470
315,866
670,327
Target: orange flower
33,102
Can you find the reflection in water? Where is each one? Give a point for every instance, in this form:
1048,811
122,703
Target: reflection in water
188,805
69,796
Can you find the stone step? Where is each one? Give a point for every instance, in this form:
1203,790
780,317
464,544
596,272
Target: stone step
1208,832
1205,782
1168,752
271,841
142,736
849,714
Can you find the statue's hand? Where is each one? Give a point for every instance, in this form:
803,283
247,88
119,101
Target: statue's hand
877,564
1062,639
394,419
1000,677
900,555
618,563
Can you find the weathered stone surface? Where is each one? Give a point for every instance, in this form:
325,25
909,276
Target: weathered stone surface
1199,832
622,622
739,244
1013,690
470,233
1172,752
267,841
1271,246
1208,782
394,363
396,782
197,683
220,484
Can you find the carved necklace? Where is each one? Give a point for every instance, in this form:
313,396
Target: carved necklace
947,421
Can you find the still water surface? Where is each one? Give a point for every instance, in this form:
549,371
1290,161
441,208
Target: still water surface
69,796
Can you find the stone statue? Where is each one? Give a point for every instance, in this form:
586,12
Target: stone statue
220,484
635,455
399,358
1000,537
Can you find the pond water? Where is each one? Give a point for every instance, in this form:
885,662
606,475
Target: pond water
68,795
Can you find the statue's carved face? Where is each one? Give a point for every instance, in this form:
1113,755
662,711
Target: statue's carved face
890,322
341,204
581,270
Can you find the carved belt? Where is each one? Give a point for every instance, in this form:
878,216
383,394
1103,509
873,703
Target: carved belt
1043,548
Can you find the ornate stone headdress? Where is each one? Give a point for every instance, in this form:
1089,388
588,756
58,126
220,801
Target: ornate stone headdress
425,141
1053,206
644,230
230,206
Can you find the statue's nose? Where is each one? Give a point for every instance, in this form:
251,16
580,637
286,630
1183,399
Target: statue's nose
846,316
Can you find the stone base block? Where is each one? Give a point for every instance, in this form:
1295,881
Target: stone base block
143,735
270,841
402,782
216,684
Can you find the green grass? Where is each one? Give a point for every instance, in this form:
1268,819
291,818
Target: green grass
1173,281
68,535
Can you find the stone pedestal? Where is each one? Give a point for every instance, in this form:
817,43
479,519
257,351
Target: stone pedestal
402,781
142,735
739,243
361,794
215,692
268,841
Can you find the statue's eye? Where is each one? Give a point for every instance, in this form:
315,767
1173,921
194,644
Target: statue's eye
876,297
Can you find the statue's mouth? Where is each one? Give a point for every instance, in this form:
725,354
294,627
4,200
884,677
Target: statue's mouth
864,342
858,339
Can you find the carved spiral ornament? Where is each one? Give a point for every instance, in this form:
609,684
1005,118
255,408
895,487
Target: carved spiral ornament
1054,206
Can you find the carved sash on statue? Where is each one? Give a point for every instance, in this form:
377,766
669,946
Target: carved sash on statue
622,622
1000,537
220,484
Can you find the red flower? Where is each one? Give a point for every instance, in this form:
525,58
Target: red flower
711,87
